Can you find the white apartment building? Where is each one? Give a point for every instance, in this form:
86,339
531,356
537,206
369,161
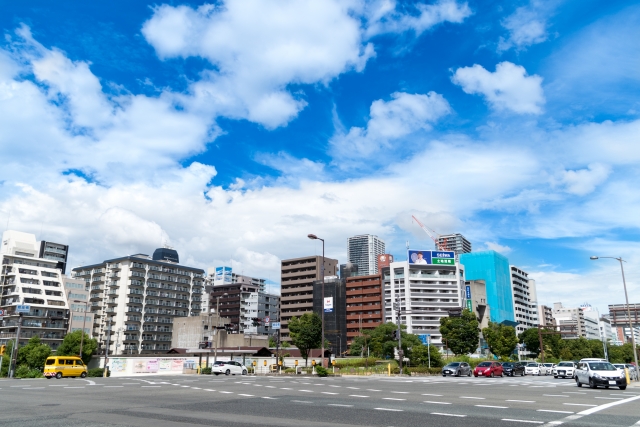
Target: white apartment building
78,294
591,321
607,333
137,297
569,320
426,293
29,280
525,300
363,251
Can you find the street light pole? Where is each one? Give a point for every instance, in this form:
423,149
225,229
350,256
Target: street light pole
626,296
84,320
314,237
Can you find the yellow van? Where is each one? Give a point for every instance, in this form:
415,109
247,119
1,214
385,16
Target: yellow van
64,366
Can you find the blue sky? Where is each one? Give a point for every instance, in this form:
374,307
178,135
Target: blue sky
232,130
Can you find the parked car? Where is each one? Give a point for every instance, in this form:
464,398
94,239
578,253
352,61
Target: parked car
633,373
512,369
564,370
228,368
488,369
547,368
532,368
599,373
457,369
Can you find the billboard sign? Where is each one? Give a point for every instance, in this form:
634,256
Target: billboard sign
23,308
431,257
222,276
468,291
469,305
328,305
275,325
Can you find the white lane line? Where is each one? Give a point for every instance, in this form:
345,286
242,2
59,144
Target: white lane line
226,392
608,405
448,415
335,386
31,388
521,401
267,397
437,403
337,404
74,387
357,395
207,389
307,391
130,383
328,392
637,424
555,412
608,398
285,388
391,398
354,388
574,392
522,421
438,395
194,388
471,397
269,386
301,401
400,392
492,406
388,409
555,395
247,395
578,404
112,386
372,389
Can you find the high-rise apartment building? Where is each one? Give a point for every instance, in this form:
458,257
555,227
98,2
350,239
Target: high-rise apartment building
136,298
55,252
363,251
78,295
494,269
365,304
545,316
426,293
591,321
454,242
525,304
27,279
296,286
570,321
238,303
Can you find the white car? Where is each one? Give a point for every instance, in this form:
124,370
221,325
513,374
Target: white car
564,370
632,370
532,369
547,368
599,373
228,368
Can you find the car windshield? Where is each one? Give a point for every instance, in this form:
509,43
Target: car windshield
218,363
532,365
619,366
548,364
454,364
484,364
508,365
565,364
601,366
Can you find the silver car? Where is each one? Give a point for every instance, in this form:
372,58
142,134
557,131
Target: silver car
456,369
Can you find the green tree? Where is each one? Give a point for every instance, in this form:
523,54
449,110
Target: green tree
501,339
421,354
71,346
461,333
34,354
579,348
531,341
306,333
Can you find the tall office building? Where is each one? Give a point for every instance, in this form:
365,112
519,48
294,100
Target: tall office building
363,251
78,295
454,242
426,288
296,286
36,282
55,252
525,304
494,269
139,296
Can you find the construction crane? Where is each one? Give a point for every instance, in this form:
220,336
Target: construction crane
434,236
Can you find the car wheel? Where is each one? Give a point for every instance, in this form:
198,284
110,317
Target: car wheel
492,375
475,375
592,383
227,372
457,374
444,375
58,375
606,386
469,374
623,387
83,375
555,376
216,373
244,372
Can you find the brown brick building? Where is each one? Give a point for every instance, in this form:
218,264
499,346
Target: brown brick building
296,284
365,304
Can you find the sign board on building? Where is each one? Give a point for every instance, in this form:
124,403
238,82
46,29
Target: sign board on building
469,305
328,305
468,291
222,276
23,308
275,325
431,257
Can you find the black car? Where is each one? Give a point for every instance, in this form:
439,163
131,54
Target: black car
456,369
513,368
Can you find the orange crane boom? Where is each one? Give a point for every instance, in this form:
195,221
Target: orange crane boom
433,236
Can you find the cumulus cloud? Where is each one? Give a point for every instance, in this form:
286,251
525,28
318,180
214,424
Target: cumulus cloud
390,120
584,181
493,246
526,26
508,88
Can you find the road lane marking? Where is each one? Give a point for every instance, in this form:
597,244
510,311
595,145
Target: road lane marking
522,421
438,395
335,386
301,401
357,395
354,388
285,388
337,404
574,392
437,403
400,392
269,386
578,404
608,398
328,392
112,386
492,406
388,409
207,389
247,395
448,415
608,405
471,397
31,388
226,392
307,391
267,397
74,387
391,398
555,412
555,395
194,388
521,401
372,389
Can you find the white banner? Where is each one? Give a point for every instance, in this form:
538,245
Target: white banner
328,305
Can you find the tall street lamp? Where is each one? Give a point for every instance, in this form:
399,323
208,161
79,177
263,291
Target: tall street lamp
84,320
314,237
624,283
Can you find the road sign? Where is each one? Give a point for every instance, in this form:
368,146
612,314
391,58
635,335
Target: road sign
468,291
275,325
424,338
266,320
1,313
23,308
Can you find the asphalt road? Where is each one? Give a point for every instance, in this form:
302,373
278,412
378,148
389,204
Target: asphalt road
237,401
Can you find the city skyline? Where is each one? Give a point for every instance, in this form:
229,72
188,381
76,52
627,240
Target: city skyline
123,133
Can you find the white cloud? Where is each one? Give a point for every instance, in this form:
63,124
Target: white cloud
508,88
493,246
390,120
526,26
584,181
384,17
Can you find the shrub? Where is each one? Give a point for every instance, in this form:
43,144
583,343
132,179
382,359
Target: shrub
322,372
97,372
23,371
205,371
355,363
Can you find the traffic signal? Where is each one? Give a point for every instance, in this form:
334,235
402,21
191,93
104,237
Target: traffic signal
394,334
256,321
3,348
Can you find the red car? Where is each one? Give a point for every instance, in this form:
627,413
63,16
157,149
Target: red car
488,369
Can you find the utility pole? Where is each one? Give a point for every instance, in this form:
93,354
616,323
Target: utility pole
15,349
106,350
398,313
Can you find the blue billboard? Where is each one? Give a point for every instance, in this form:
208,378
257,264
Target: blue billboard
431,257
